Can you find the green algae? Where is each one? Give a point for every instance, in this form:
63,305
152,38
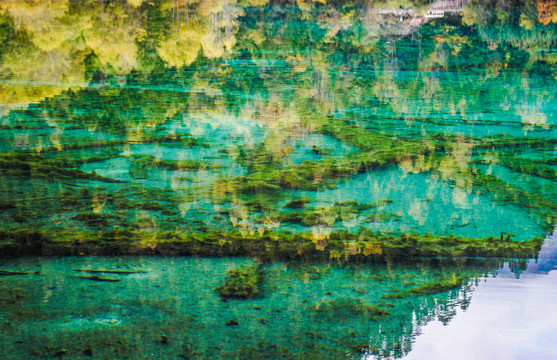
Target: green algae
141,165
380,217
151,205
345,309
177,140
500,191
37,166
243,282
437,286
317,150
297,204
340,246
526,166
259,205
94,219
328,215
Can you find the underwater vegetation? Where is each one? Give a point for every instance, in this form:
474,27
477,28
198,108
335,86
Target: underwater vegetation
37,166
243,282
344,309
340,246
437,287
142,164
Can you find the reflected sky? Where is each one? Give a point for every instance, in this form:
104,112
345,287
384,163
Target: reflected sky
509,318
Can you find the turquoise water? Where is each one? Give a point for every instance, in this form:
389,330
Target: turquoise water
304,311
372,164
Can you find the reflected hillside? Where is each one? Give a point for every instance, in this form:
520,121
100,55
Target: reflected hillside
53,45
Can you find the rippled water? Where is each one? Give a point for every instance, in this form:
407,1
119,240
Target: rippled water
380,172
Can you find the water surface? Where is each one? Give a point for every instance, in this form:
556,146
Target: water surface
380,168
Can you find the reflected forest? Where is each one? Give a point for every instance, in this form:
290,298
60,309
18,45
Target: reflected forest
267,179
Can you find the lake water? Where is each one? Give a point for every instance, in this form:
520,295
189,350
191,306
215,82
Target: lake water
264,179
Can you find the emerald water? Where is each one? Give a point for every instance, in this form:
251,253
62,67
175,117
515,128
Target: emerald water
268,179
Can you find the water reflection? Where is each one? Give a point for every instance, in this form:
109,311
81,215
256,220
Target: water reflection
515,310
307,134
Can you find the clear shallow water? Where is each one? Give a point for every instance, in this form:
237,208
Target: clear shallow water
305,311
171,309
356,136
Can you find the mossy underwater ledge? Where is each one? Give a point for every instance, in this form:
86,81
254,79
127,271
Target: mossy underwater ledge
341,246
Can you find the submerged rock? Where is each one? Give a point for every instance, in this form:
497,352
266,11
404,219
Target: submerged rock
8,273
111,271
242,283
98,278
108,321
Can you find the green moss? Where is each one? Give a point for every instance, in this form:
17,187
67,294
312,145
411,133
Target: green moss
254,187
243,283
141,165
151,205
69,201
258,205
318,151
122,204
93,219
362,246
36,166
437,286
503,192
504,141
144,223
177,140
326,215
298,203
343,309
378,150
529,167
381,217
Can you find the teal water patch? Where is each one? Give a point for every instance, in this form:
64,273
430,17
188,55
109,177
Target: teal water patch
469,104
423,204
180,168
543,187
116,168
218,127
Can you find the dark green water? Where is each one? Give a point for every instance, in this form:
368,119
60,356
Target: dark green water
371,163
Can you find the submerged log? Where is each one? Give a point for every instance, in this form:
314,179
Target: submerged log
8,273
98,278
92,271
